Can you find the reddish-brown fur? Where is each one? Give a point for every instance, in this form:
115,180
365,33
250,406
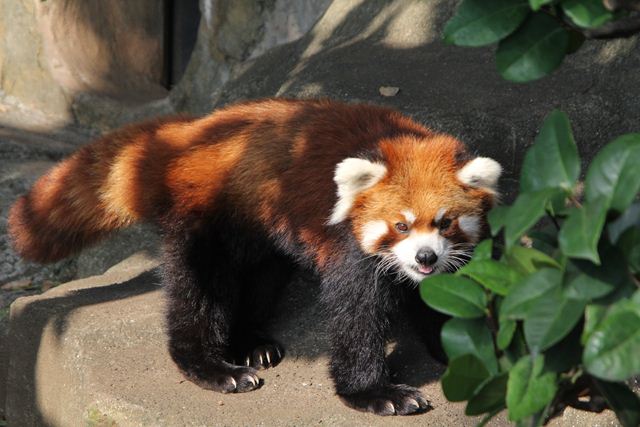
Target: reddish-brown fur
266,158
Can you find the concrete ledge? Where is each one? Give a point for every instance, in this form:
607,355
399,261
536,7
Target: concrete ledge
93,352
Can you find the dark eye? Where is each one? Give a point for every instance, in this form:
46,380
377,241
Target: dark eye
402,227
444,223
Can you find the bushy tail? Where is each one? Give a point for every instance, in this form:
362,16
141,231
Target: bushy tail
96,190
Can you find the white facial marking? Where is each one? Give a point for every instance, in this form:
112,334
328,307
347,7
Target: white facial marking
352,176
470,225
440,215
407,249
409,216
481,172
372,232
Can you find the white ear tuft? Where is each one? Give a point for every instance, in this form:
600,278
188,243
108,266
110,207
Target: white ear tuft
481,172
353,175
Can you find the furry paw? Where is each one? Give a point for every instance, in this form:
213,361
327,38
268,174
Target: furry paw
226,378
394,399
263,356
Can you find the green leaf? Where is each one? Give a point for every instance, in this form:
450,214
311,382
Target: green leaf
629,244
489,397
585,280
482,22
469,336
629,218
462,377
613,176
496,218
528,208
525,294
593,315
529,388
484,250
624,402
580,233
537,4
493,275
453,295
552,161
550,319
566,354
529,260
505,333
533,50
612,349
586,13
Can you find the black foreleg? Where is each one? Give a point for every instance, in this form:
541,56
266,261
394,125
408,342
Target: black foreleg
359,308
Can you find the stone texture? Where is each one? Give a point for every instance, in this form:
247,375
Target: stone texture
53,50
100,64
231,31
94,350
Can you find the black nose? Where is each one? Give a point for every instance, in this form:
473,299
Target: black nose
426,256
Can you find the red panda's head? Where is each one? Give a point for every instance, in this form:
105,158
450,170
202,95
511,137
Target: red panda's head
420,204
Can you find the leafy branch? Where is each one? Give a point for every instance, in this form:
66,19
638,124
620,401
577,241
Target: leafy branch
554,323
534,36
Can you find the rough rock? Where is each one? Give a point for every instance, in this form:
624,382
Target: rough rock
52,50
94,350
101,64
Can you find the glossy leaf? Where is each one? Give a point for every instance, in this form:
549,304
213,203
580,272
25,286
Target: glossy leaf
529,388
524,295
453,295
613,177
630,218
586,13
629,244
489,397
585,280
593,315
483,250
581,231
525,213
482,22
612,349
550,319
505,333
463,375
623,401
493,275
496,218
552,161
534,50
529,260
566,354
469,336
537,4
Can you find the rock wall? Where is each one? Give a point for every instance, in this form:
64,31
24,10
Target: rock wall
102,64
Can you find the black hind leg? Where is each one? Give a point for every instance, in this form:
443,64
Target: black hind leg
262,285
202,280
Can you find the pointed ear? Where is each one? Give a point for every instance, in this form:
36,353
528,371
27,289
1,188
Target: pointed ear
352,176
481,172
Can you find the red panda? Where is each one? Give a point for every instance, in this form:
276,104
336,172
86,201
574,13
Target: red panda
363,196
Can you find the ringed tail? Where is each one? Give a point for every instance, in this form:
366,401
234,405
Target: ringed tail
96,190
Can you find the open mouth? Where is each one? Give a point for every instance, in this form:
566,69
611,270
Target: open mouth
425,269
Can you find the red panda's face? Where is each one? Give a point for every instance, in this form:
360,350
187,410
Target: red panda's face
420,209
